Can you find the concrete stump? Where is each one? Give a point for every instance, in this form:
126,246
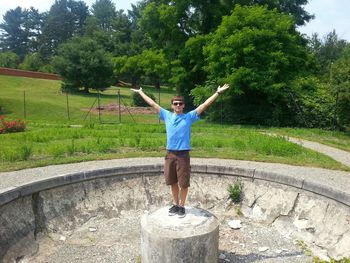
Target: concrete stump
169,239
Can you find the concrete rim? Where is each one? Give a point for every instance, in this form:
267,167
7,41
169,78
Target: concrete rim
327,183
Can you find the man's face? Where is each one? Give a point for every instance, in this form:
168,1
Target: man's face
178,106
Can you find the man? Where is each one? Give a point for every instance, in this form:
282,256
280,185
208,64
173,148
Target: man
177,159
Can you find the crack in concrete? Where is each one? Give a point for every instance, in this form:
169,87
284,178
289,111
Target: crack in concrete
290,212
39,215
148,193
325,213
256,199
296,201
341,236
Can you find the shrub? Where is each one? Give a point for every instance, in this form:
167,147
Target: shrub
11,126
139,101
235,191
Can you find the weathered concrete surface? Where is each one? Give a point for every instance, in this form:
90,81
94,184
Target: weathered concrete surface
62,197
319,222
192,239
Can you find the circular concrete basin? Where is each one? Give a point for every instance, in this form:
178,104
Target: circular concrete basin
91,212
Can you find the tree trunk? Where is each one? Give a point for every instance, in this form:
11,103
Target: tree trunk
157,85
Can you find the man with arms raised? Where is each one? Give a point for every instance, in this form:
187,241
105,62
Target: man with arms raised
178,130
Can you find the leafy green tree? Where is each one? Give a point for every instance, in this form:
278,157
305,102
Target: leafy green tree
313,103
82,63
189,70
128,68
326,51
160,23
293,8
340,88
32,62
155,66
9,59
259,53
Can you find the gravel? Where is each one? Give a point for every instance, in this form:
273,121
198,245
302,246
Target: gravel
118,240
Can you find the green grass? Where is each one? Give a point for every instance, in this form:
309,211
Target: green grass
51,139
54,144
45,102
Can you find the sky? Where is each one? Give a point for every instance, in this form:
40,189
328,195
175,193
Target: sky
329,14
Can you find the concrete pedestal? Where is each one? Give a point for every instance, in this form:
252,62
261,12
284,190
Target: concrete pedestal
169,239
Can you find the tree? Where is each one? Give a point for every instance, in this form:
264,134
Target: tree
64,20
160,23
155,66
259,53
340,88
293,8
139,40
82,63
104,11
32,62
9,59
117,39
128,68
326,51
188,71
15,35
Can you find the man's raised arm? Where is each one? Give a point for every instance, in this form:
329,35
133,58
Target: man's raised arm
211,99
147,99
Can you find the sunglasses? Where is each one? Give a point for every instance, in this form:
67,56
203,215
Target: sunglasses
177,103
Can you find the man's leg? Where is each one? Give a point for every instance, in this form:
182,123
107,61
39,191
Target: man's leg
175,193
171,179
183,176
183,195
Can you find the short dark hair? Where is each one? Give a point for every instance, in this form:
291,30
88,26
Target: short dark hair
178,98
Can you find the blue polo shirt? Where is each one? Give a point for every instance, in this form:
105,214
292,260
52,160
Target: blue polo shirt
178,128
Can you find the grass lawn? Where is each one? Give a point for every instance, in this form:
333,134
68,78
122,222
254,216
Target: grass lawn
51,139
45,102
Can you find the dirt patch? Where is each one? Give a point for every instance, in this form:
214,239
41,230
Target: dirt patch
113,109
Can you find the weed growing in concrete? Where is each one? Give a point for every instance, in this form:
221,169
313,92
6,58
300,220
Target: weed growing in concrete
235,192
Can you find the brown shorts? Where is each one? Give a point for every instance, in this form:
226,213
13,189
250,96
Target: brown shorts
177,168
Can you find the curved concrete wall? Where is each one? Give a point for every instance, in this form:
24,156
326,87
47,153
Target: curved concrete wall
59,200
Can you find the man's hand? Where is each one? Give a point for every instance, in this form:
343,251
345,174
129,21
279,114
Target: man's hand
222,89
137,90
147,99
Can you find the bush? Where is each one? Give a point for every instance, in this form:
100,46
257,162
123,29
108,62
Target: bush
235,192
66,87
9,59
139,101
11,126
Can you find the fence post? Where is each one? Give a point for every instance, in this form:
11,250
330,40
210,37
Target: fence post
24,105
99,107
67,103
159,103
120,117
